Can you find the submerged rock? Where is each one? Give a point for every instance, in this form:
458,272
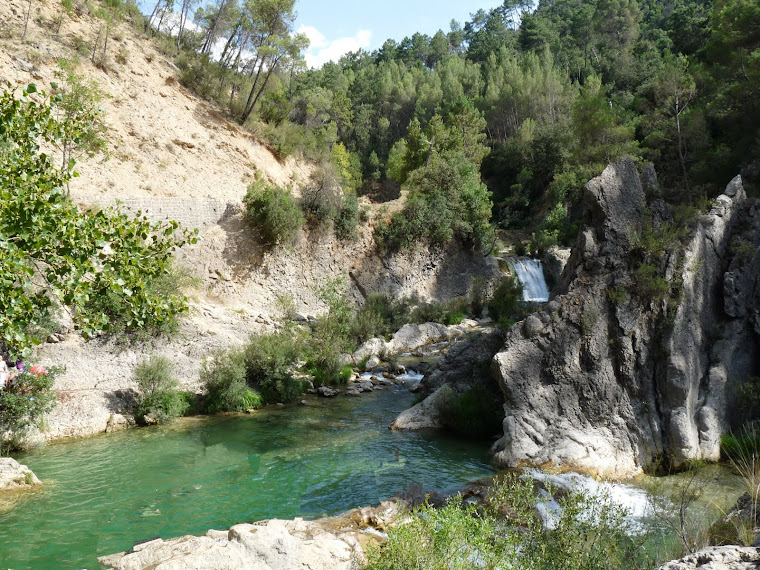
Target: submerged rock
610,378
14,475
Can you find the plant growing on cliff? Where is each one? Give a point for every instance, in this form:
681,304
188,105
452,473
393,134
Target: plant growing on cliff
26,399
53,253
160,399
274,211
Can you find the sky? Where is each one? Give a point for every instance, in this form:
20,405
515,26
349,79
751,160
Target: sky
337,27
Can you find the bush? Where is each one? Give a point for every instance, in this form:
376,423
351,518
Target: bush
29,396
224,382
347,219
269,363
331,337
474,413
159,395
274,211
650,286
506,302
589,535
380,315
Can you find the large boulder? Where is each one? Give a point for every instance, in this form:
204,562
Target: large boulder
268,545
13,475
412,336
610,379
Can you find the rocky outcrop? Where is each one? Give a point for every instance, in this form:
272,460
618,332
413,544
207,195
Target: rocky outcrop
267,545
628,364
13,475
463,370
718,558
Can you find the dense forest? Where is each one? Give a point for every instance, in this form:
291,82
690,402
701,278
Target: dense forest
509,114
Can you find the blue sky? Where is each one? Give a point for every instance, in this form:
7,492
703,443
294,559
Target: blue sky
339,26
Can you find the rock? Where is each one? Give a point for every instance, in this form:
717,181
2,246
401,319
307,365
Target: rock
268,545
372,362
327,392
23,65
372,347
14,475
596,383
380,518
118,422
532,326
427,414
150,420
718,558
412,336
305,403
353,392
299,318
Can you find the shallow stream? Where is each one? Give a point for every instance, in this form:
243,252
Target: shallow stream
103,493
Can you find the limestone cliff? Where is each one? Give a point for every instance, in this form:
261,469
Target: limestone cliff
627,366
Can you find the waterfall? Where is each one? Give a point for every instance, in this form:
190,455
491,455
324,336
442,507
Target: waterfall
530,273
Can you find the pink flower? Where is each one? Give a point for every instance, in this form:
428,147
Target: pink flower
38,371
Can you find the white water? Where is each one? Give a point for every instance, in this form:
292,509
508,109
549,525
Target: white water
635,501
530,273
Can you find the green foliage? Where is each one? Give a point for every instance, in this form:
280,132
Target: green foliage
49,248
29,396
331,333
159,395
380,315
347,219
475,413
589,535
506,303
448,313
650,286
274,211
269,366
224,383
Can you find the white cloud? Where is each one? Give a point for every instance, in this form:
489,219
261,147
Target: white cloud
321,50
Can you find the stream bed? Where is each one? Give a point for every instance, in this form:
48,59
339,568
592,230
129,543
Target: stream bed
102,494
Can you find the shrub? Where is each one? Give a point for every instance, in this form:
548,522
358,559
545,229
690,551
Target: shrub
347,219
29,396
474,413
506,302
274,211
649,285
478,294
331,337
159,395
269,363
322,198
224,382
588,535
380,315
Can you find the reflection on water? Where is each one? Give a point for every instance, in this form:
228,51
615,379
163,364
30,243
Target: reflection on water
102,494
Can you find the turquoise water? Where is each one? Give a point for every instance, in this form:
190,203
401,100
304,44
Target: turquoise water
104,493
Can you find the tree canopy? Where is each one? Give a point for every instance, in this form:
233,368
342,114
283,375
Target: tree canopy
54,255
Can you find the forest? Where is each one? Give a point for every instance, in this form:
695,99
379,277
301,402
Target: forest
505,116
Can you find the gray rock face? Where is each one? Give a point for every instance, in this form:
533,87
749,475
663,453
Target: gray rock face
267,545
607,378
13,475
412,336
718,558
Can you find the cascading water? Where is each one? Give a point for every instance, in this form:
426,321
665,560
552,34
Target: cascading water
530,273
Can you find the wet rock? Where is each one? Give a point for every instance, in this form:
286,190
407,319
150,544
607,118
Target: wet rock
428,414
14,475
373,362
327,392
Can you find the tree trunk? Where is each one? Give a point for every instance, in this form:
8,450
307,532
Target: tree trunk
97,41
26,20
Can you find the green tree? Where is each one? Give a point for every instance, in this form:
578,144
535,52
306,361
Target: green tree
53,253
